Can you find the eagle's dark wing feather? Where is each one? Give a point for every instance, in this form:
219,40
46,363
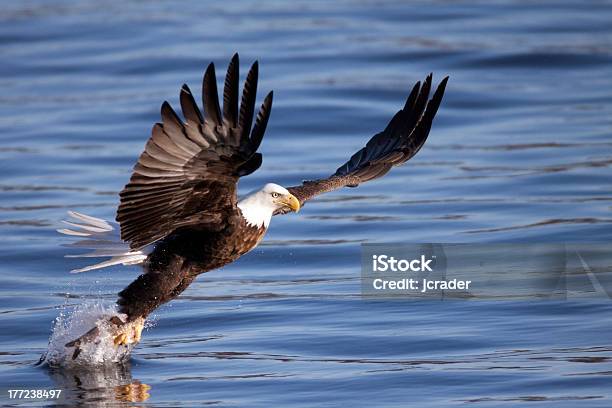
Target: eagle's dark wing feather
402,138
188,171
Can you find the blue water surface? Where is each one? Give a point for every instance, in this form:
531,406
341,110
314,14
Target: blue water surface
521,151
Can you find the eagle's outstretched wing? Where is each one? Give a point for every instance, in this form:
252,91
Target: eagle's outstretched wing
402,138
188,171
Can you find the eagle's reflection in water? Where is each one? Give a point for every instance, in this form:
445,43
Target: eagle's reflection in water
98,386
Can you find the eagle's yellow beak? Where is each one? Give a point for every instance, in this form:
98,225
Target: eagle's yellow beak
292,202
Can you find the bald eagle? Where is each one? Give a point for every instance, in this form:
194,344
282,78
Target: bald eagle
180,216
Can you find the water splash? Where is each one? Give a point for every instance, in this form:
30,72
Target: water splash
72,324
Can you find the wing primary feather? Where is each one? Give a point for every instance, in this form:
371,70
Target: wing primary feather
437,98
421,131
413,116
247,105
409,105
259,129
210,96
190,109
402,115
230,92
169,116
433,105
421,101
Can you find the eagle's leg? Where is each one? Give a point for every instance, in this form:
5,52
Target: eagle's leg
163,280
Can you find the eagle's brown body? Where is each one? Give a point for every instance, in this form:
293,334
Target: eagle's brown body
178,259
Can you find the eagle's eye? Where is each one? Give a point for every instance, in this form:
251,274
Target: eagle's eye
275,195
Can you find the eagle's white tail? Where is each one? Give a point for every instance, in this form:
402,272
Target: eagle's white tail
103,238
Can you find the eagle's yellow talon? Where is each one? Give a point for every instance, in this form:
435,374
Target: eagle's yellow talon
129,333
137,333
121,339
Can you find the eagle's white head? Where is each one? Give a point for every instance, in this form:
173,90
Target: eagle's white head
258,207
